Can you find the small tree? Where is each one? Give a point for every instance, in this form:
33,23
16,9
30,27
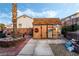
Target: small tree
2,25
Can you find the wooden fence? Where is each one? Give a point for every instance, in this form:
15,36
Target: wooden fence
73,35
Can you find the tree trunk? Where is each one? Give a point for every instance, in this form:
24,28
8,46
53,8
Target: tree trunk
14,19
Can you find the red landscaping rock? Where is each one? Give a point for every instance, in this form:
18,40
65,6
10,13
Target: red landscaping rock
13,51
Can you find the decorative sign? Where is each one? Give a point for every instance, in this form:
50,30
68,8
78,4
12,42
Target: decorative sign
49,30
36,30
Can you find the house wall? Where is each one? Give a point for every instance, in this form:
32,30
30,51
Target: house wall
78,22
73,19
24,22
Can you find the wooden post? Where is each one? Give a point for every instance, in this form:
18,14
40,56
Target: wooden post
14,18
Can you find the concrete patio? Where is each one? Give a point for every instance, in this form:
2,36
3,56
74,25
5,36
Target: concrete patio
39,47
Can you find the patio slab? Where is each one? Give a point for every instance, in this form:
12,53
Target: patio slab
28,50
43,49
36,48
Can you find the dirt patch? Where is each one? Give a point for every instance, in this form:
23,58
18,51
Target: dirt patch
60,50
13,51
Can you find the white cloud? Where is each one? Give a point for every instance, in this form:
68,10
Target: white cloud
5,18
77,11
31,13
3,15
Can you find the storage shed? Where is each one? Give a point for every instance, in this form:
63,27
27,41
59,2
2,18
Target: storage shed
44,28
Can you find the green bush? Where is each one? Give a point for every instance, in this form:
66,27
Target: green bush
70,28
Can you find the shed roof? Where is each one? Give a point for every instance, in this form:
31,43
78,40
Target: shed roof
46,21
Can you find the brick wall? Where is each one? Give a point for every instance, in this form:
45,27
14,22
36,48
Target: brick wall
22,30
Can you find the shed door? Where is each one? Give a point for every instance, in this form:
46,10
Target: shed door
37,31
44,31
50,31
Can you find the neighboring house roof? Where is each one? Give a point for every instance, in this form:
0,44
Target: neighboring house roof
46,21
70,16
9,26
23,16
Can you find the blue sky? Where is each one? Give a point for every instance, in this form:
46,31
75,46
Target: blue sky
38,10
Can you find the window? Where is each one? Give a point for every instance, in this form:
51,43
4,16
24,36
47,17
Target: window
20,25
24,17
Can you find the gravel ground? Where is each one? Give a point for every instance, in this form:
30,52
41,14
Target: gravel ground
60,50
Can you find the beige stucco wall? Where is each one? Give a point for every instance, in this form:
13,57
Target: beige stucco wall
25,21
